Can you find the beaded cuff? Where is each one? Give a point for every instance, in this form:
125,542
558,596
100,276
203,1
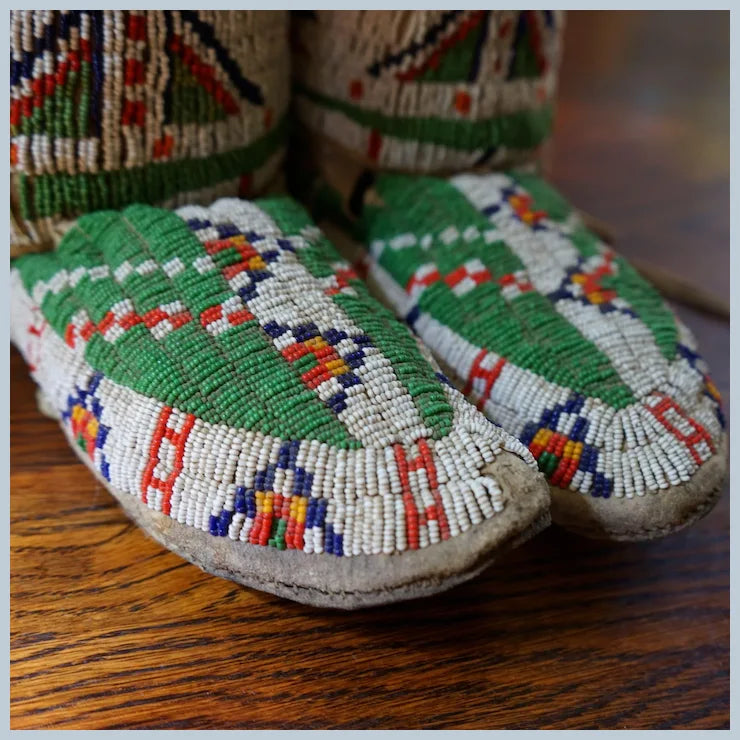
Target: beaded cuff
550,332
428,91
114,107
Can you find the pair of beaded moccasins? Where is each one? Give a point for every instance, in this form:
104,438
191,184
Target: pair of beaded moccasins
237,385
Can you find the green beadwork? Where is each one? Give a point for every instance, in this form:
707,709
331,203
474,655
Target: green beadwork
528,332
648,304
151,183
237,377
520,130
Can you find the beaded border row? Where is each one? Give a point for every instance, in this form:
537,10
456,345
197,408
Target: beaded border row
382,148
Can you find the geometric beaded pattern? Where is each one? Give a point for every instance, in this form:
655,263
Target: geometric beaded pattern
429,90
83,414
112,107
546,329
226,367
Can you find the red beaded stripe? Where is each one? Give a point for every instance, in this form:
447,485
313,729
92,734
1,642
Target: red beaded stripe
343,276
259,534
178,440
216,313
537,41
462,272
426,281
474,370
133,112
490,376
374,144
700,434
319,374
294,534
478,276
567,468
434,512
409,505
511,278
150,319
426,455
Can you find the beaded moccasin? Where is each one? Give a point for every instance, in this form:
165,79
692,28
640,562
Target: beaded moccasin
556,338
229,379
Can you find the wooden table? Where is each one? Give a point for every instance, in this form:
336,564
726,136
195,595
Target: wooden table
108,630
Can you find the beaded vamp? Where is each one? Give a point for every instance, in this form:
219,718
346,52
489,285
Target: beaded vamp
225,366
550,332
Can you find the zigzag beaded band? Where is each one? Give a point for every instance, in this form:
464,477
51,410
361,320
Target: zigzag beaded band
224,366
428,91
113,107
546,329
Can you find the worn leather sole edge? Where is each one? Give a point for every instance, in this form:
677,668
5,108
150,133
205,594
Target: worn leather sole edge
358,581
644,517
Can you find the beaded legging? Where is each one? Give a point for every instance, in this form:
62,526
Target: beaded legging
113,107
428,91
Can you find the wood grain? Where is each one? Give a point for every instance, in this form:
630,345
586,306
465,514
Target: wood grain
108,630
